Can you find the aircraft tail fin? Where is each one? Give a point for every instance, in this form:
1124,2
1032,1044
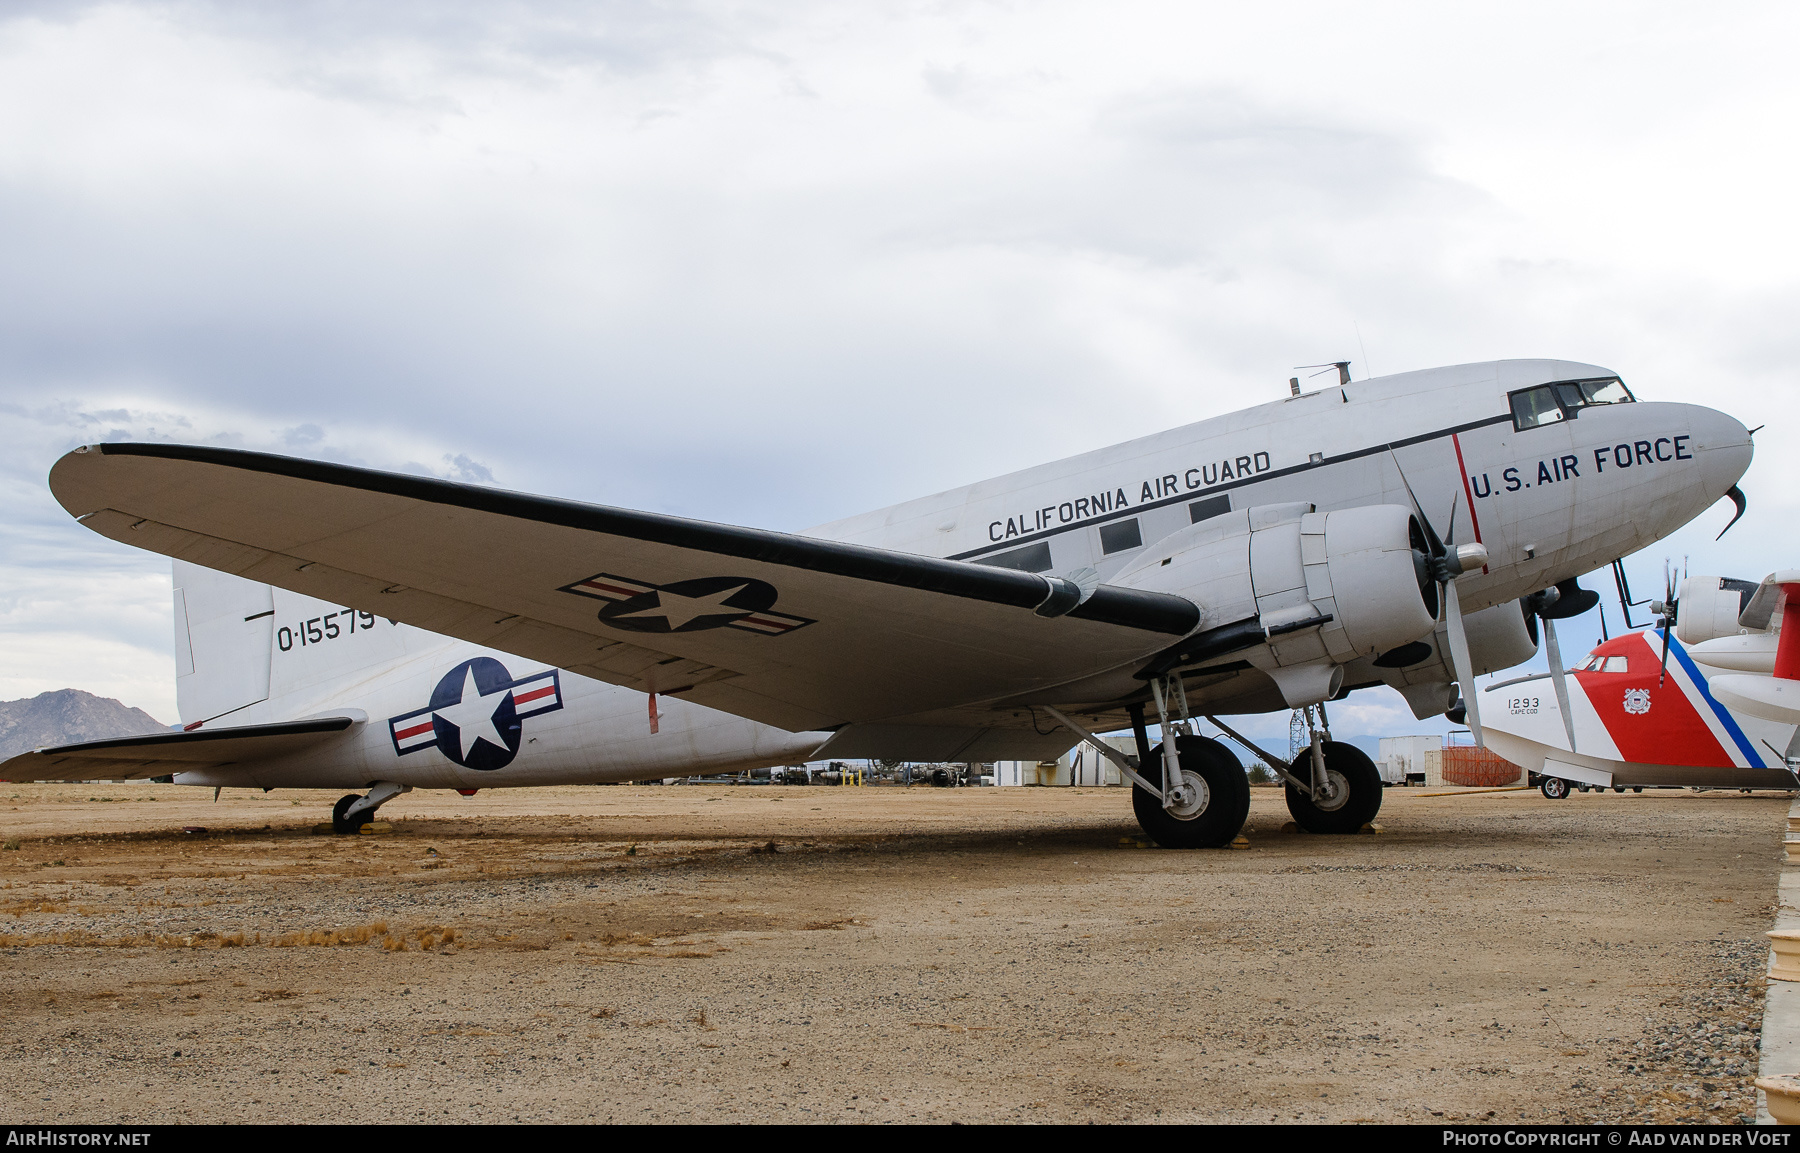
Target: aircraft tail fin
224,631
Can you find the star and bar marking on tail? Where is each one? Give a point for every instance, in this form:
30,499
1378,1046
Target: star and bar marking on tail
476,713
687,606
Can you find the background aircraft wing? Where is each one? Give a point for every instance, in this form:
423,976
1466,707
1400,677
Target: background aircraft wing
159,754
789,630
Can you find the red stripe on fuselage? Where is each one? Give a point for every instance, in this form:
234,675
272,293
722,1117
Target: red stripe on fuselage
534,694
1468,492
403,734
1672,732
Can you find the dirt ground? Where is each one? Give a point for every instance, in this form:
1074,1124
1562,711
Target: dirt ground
837,954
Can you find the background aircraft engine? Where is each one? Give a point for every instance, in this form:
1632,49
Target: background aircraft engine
1323,587
1709,608
1500,637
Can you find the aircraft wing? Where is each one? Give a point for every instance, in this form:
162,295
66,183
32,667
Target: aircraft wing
792,631
159,754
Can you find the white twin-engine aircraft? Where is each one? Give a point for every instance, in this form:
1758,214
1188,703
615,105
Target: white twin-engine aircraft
386,632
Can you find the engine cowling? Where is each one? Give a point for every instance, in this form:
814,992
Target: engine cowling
1326,587
1707,607
1500,637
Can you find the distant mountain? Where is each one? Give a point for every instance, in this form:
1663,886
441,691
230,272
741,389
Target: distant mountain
65,717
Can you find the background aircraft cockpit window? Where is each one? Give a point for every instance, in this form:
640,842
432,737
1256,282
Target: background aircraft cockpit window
1607,665
1534,406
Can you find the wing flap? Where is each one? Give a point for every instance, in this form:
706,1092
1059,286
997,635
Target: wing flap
158,754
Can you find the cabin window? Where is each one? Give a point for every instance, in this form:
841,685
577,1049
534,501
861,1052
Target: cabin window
1031,558
1120,535
1207,509
1607,665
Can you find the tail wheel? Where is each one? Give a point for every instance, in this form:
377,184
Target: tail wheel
340,823
1354,796
1554,787
1219,802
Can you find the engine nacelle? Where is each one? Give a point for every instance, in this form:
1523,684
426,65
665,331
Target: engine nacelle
1288,567
1707,607
1500,637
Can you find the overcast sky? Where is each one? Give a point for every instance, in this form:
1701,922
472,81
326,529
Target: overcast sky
775,264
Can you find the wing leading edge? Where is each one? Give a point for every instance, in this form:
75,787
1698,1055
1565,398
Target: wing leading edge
789,630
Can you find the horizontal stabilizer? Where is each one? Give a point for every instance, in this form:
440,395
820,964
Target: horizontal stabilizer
159,754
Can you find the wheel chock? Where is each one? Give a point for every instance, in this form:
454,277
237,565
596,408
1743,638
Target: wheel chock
1785,965
1240,842
324,830
1290,827
1371,827
374,827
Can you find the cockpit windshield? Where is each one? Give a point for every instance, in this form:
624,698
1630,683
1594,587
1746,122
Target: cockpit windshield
1564,400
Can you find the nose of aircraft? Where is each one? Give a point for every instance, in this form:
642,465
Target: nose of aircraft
1724,448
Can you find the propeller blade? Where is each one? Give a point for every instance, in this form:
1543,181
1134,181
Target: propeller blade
1559,677
1737,497
1459,657
1431,537
1671,608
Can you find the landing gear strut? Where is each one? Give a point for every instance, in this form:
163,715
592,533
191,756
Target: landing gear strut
352,812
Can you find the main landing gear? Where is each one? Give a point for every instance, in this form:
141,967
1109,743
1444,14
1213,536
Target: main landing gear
352,812
1333,787
1211,801
1188,792
1346,792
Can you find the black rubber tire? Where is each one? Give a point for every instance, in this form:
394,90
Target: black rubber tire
340,823
1228,798
1618,788
1555,788
1637,788
1357,810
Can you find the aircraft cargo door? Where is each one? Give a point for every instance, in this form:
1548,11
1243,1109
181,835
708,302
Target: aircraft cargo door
222,661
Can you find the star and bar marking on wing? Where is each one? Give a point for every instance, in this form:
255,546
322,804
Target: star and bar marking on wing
687,606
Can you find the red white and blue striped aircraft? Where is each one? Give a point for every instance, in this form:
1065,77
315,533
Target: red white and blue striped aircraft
1714,704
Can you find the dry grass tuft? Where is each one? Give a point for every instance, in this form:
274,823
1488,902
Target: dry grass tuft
432,936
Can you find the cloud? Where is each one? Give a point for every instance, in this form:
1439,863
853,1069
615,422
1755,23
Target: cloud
778,264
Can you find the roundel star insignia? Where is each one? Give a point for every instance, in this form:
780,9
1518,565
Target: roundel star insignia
688,606
477,714
1637,701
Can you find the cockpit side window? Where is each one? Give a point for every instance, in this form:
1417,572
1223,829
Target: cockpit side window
1564,400
1534,406
1612,390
